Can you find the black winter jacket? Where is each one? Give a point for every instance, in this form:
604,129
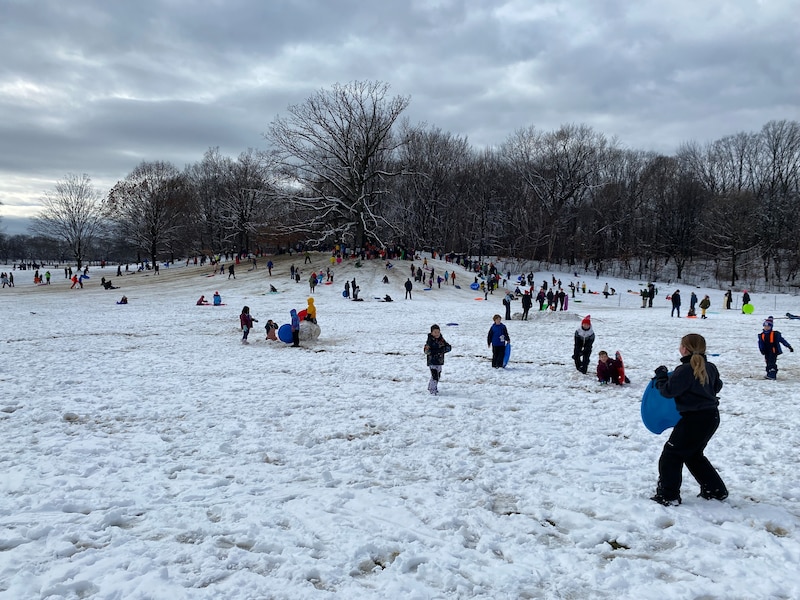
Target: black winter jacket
435,349
690,394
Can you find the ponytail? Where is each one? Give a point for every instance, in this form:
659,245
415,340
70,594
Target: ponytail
695,344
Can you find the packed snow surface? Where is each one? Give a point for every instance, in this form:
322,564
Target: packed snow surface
148,453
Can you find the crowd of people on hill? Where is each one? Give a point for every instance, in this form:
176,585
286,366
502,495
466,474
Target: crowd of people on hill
693,384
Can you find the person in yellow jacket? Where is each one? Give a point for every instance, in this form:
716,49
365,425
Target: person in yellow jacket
311,311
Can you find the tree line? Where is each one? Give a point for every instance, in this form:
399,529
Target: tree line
344,167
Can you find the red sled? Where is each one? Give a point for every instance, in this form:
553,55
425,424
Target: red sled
622,378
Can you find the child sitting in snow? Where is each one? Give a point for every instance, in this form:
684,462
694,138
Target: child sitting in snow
608,369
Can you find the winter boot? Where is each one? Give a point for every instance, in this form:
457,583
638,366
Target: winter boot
713,494
666,501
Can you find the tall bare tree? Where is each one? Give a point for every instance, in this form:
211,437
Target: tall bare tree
334,150
557,169
780,191
246,184
425,202
71,214
206,182
728,169
484,221
149,208
676,199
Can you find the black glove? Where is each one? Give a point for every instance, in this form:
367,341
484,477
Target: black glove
661,372
791,349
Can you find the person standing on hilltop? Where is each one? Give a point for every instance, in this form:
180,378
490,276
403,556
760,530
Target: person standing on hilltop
745,299
705,303
527,303
676,303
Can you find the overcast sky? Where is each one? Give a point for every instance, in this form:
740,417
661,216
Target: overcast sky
96,87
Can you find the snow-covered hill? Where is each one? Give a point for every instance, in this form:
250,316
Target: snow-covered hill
149,454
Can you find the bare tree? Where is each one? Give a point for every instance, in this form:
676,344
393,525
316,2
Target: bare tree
612,224
71,214
425,202
557,169
675,198
246,183
780,150
484,224
728,169
334,150
149,207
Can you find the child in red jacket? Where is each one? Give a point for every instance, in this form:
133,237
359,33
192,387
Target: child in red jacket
608,369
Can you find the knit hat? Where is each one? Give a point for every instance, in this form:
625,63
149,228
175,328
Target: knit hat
767,322
587,321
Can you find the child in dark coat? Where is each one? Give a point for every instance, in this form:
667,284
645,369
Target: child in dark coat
435,349
584,339
694,384
769,344
246,321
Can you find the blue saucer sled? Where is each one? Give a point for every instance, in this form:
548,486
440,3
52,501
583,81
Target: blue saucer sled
285,333
658,413
507,355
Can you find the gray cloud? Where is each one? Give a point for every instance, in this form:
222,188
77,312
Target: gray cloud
95,87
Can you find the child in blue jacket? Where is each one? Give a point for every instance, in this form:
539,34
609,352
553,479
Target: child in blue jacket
769,344
498,338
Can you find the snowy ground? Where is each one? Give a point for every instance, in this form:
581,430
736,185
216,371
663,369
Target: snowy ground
148,454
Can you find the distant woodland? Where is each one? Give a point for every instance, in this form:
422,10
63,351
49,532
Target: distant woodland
346,168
